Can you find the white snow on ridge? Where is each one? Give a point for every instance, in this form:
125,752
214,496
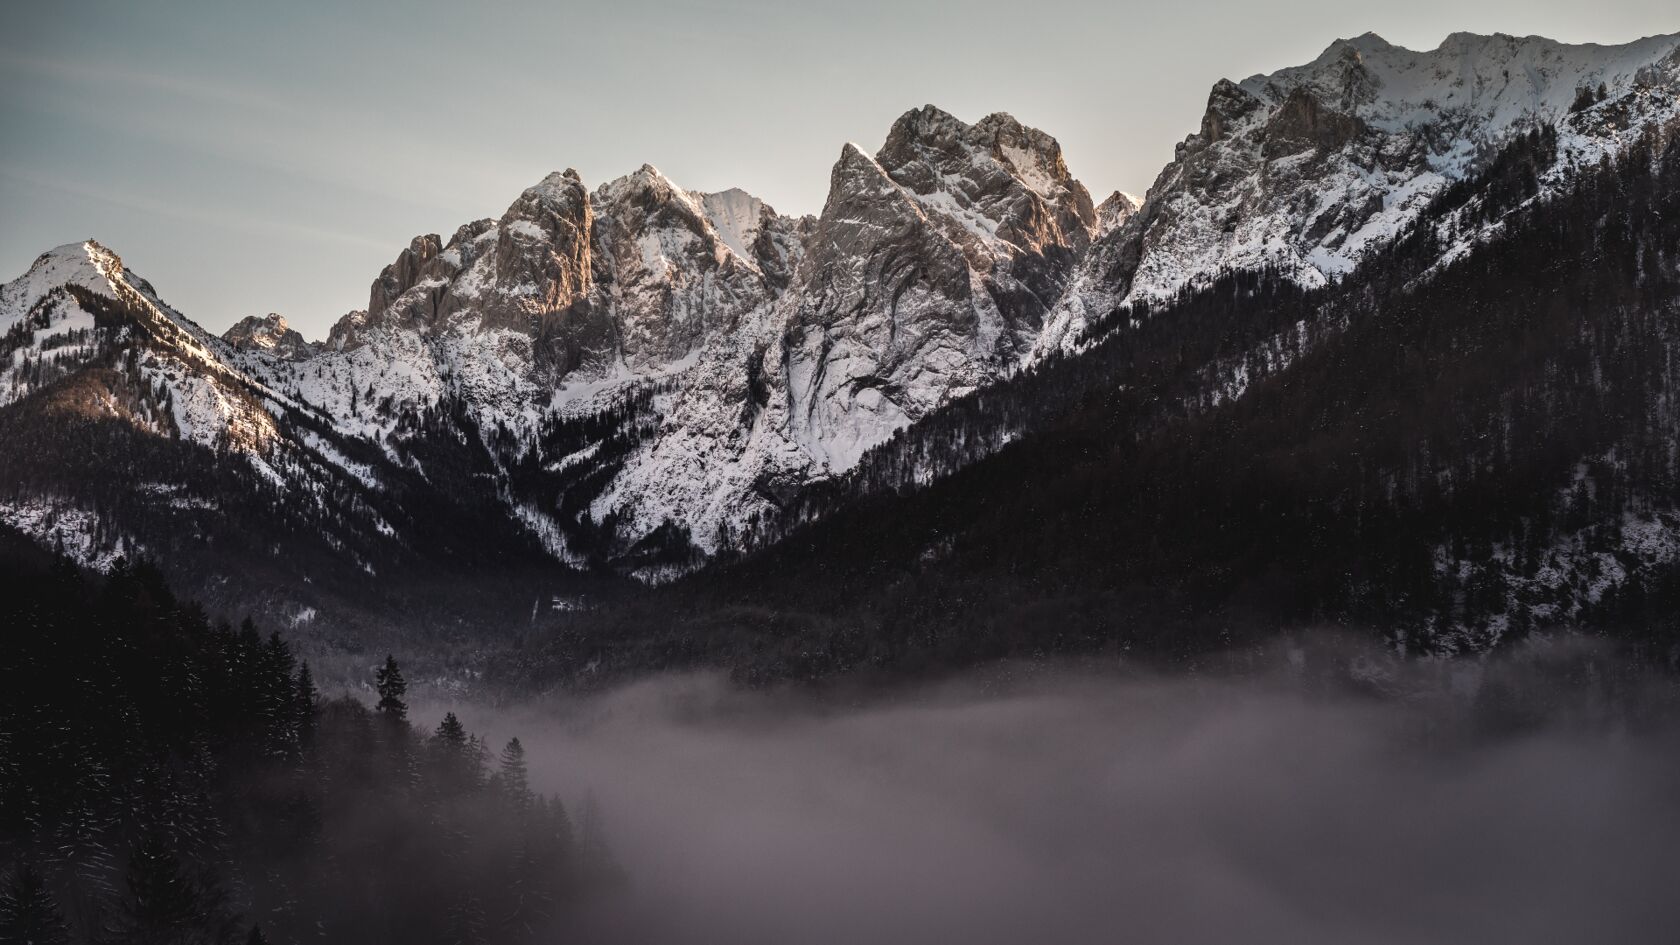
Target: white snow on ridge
1489,85
575,301
1310,168
736,216
61,527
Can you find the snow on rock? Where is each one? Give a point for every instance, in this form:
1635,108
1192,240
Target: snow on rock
925,277
765,352
270,334
1115,210
1309,168
67,529
736,216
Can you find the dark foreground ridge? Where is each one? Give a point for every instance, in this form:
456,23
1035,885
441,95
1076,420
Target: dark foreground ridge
167,778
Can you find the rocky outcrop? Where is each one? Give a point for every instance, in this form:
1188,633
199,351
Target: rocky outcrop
926,277
1114,211
669,276
271,335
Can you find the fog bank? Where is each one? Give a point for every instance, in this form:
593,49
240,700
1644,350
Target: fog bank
1318,796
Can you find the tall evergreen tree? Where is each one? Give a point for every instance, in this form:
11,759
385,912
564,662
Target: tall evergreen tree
457,760
466,922
451,733
28,914
594,856
513,776
305,701
392,687
164,906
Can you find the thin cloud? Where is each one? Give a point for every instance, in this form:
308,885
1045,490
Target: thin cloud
116,77
237,222
309,143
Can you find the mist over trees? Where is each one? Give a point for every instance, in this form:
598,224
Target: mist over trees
166,778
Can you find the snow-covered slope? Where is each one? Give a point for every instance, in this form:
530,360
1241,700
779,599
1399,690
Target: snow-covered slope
78,305
775,350
1310,167
1115,210
626,369
926,277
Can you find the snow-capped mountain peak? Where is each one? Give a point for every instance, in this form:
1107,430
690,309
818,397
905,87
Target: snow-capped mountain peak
1309,168
1115,209
737,216
640,360
86,265
268,334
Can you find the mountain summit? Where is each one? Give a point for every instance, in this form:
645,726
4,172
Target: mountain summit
630,378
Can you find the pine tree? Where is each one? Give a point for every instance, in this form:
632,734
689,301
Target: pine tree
278,698
451,733
304,706
513,777
392,688
28,914
560,825
163,904
256,937
457,760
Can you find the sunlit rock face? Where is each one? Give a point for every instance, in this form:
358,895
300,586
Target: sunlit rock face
762,353
926,277
929,274
269,333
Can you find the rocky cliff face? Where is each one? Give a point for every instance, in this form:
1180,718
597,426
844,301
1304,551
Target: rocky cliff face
1115,210
638,360
926,277
271,334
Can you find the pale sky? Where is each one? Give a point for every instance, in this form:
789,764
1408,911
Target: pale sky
249,157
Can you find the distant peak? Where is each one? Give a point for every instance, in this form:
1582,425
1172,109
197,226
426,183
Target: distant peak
646,179
89,263
268,333
557,184
929,121
85,249
1004,127
1120,199
931,112
651,176
1463,38
852,153
1367,42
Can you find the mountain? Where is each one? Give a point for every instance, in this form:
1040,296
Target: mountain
1116,209
925,278
269,333
1447,456
130,431
1311,168
635,379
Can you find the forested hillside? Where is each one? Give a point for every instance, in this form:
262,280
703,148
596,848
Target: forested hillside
1449,454
166,778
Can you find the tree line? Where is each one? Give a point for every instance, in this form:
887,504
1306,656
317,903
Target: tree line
1454,456
166,778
